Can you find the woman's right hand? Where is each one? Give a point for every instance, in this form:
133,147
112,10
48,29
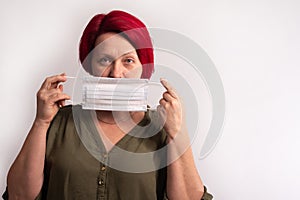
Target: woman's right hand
50,98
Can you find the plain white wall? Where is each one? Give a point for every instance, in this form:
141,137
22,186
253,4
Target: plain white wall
255,46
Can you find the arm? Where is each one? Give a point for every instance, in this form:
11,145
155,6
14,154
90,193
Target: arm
183,180
25,177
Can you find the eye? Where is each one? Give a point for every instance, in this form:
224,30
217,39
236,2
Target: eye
105,61
129,60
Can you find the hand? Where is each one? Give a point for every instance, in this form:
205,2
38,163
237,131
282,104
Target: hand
50,97
171,109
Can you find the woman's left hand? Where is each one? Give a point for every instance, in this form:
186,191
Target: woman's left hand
171,109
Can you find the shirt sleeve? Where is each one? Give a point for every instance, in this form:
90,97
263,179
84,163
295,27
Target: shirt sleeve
5,195
206,195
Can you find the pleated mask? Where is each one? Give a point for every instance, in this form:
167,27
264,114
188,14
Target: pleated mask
114,94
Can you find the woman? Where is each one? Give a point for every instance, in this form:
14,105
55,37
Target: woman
69,171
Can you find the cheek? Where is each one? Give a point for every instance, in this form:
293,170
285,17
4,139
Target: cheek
135,72
96,70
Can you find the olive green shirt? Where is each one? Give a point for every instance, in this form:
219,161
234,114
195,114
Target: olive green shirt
77,165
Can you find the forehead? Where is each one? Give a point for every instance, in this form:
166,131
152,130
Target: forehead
112,44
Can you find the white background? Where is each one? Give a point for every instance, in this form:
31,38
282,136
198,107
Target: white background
254,45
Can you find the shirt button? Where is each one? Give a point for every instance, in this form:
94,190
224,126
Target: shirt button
101,182
105,156
103,168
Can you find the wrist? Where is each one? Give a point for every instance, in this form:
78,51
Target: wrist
41,123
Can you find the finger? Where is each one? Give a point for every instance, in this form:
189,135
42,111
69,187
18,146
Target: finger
53,85
48,93
61,87
53,92
62,102
52,82
167,96
169,88
55,98
163,102
46,81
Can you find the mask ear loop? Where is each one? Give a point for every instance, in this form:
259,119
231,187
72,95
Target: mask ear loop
154,106
70,77
69,101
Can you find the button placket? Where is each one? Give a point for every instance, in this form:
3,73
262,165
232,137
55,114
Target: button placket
101,182
103,170
102,176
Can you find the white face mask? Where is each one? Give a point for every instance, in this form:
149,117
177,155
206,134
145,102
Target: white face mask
114,94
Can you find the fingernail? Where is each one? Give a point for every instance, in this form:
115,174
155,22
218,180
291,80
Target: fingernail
163,79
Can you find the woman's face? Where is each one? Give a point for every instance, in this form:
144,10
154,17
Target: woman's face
115,57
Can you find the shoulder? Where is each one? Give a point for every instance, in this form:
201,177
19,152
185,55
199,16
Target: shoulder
62,128
63,119
66,112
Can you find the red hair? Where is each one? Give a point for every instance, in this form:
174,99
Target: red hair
129,26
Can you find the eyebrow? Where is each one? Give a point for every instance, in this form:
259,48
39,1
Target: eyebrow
131,52
125,54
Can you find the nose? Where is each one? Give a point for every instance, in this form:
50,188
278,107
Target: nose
117,70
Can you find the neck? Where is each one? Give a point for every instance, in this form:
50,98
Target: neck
114,117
